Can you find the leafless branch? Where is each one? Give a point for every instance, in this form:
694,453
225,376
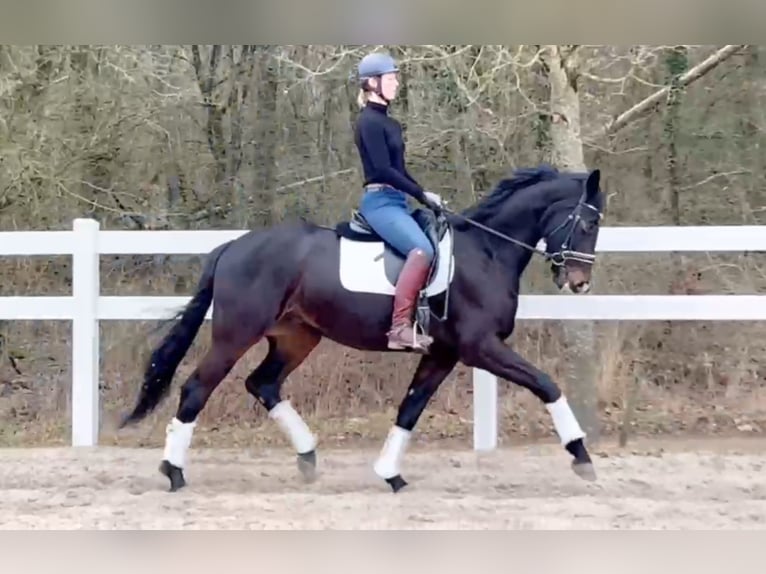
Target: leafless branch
692,75
714,177
315,179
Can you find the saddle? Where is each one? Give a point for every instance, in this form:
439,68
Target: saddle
357,229
435,227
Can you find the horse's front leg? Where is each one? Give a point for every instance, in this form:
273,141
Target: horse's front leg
493,355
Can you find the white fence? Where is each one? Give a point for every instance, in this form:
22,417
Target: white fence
86,307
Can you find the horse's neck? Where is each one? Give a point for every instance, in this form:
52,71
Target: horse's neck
520,220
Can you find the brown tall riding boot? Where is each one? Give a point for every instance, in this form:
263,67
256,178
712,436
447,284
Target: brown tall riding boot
413,275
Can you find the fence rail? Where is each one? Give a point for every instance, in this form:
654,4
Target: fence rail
86,242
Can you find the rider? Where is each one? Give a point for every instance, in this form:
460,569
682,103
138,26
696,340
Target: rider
387,184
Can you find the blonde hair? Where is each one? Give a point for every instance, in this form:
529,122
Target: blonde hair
361,98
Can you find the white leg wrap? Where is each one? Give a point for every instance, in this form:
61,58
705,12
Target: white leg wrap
294,427
564,421
178,437
387,465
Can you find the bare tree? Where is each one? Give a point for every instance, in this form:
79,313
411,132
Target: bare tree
564,73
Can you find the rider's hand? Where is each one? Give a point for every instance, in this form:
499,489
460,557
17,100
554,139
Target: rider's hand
434,201
434,198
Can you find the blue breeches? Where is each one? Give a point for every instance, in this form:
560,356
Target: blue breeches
387,212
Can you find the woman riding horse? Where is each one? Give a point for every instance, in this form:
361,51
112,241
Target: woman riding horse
387,184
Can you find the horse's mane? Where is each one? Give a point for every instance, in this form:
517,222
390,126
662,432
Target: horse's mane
521,178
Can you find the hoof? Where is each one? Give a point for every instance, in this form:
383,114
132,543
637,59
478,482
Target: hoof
307,465
396,483
584,470
174,474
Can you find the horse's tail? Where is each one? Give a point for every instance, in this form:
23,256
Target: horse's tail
164,360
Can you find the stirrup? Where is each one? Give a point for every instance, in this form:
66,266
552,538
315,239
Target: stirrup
415,333
413,344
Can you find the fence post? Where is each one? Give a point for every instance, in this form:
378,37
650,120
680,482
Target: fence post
85,333
484,410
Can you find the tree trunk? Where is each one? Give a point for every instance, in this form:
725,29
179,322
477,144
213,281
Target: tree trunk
676,63
751,141
579,359
266,129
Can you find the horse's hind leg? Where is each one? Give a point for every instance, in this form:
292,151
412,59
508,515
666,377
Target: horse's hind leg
429,375
289,345
228,346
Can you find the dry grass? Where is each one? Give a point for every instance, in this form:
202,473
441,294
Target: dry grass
655,378
659,378
352,396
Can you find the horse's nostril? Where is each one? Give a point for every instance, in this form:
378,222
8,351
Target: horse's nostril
580,286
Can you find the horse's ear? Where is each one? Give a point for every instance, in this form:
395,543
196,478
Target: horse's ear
592,184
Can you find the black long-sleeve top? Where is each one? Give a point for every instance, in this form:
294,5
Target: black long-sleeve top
379,140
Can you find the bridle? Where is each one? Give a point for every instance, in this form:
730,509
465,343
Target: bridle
557,258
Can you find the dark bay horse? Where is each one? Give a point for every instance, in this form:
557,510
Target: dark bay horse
295,283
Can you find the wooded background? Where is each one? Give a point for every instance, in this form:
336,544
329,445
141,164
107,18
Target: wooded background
235,137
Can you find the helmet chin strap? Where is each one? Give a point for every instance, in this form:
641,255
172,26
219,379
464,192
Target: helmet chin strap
379,91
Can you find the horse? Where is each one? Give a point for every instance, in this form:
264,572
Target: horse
296,282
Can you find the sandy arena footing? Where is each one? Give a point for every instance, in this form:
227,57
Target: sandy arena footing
519,487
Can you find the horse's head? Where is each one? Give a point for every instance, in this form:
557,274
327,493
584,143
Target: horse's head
570,228
562,208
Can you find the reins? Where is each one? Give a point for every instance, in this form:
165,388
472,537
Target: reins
558,258
495,232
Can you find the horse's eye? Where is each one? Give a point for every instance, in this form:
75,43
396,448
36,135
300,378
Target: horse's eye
587,226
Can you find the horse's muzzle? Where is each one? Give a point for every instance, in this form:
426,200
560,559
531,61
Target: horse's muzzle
574,280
